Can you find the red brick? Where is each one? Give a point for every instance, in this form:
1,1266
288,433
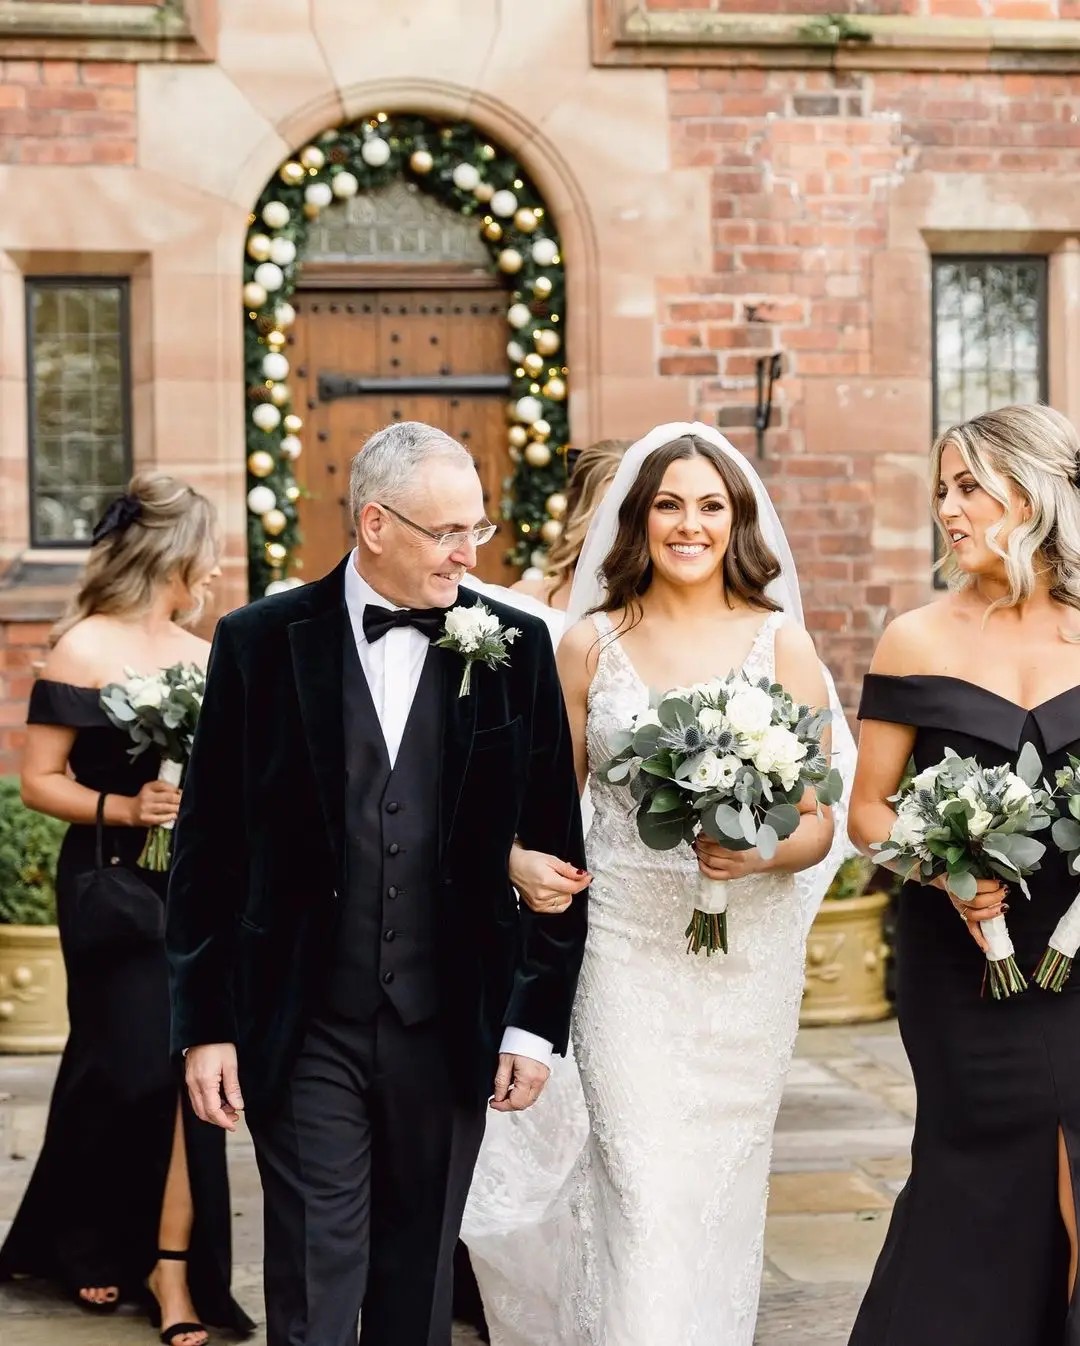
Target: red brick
688,364
61,72
22,72
69,99
109,72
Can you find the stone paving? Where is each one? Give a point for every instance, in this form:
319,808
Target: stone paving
841,1155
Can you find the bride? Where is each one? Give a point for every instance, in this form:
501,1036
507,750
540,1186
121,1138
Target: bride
686,574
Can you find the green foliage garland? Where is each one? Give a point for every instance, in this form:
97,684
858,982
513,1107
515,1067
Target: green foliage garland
458,166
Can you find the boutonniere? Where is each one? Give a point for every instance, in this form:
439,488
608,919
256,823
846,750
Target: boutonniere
475,634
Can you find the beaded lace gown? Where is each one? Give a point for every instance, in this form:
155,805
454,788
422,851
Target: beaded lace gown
682,1061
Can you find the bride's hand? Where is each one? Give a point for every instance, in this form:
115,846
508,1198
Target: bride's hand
990,900
717,862
547,884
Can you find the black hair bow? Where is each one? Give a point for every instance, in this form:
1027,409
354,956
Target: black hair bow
120,514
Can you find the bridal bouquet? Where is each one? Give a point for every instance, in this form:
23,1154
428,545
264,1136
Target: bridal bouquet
1056,963
971,822
730,758
158,711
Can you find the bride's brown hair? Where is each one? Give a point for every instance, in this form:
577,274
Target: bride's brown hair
749,565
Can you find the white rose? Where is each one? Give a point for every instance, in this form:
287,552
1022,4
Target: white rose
645,717
1018,793
926,780
979,822
711,720
969,795
779,751
149,696
706,773
908,831
468,626
750,711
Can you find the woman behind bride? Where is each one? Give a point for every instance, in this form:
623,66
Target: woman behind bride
685,575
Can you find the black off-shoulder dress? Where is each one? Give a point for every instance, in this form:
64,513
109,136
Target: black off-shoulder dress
977,1251
90,1214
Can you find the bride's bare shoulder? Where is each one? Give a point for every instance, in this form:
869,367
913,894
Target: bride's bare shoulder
584,642
912,643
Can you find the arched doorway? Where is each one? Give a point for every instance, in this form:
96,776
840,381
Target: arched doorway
400,268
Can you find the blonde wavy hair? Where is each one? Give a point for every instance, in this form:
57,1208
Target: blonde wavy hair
173,534
1037,450
591,476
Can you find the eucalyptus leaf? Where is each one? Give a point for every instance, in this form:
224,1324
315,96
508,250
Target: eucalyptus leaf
963,886
767,841
1066,834
1029,764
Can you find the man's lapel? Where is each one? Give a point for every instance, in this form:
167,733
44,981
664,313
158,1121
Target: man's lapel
459,725
317,657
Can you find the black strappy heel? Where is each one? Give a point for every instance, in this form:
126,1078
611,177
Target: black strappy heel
154,1310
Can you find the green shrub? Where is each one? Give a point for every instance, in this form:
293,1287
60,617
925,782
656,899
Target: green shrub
850,879
29,844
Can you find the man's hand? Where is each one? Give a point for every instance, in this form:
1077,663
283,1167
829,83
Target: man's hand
213,1083
547,884
519,1082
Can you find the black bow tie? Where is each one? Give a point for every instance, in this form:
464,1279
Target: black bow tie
378,620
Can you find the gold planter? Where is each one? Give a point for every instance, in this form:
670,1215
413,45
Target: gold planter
33,989
845,963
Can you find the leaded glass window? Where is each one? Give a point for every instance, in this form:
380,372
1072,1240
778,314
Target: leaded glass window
989,336
79,389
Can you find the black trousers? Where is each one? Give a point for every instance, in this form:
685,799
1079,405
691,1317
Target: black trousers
365,1167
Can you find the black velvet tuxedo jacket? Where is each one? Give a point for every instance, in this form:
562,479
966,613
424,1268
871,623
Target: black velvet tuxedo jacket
259,851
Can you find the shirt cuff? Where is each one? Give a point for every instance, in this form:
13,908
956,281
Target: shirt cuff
518,1042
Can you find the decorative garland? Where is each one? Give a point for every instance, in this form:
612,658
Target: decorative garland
456,165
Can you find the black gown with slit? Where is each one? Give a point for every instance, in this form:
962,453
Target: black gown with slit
90,1214
977,1250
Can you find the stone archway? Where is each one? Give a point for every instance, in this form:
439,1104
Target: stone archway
485,185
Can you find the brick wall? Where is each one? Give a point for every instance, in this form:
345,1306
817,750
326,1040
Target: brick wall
67,112
946,9
22,646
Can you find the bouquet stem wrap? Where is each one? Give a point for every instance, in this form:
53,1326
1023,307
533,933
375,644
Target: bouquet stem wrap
1006,979
157,850
1056,963
708,925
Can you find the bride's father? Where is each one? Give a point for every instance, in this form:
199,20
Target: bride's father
344,940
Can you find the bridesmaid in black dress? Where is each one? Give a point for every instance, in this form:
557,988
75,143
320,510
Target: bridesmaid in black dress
982,1244
130,1195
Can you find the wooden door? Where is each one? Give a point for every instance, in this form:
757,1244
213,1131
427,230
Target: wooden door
342,340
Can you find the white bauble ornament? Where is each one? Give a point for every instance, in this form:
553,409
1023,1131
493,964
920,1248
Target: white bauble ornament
538,455
282,586
515,351
551,531
258,247
344,185
421,161
518,315
539,558
284,315
292,492
510,261
261,499
504,203
266,416
275,366
318,194
528,409
276,214
291,447
544,251
269,276
312,157
532,573
283,251
466,177
375,151
254,295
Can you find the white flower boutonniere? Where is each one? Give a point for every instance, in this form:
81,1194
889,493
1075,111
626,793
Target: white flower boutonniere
474,633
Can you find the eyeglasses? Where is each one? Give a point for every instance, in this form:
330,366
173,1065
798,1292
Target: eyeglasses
447,541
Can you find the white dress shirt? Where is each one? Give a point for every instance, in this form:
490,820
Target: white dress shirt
393,666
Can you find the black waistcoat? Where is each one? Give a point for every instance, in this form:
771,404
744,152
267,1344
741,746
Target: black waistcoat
386,946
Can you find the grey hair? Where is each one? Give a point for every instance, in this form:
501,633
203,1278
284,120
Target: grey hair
391,458
1037,449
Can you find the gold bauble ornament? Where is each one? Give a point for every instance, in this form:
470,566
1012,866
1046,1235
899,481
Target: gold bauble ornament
275,340
534,364
260,463
550,530
312,157
540,429
510,261
555,389
483,191
274,522
292,493
258,247
525,220
254,295
546,341
555,505
511,413
275,553
487,152
311,210
542,287
292,173
279,394
292,423
538,455
519,436
421,161
492,231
